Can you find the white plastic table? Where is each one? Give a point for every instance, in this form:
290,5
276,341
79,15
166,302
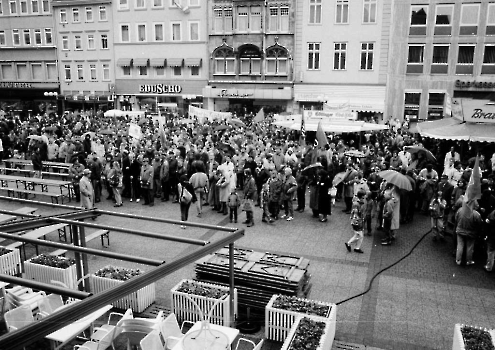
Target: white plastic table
64,335
220,338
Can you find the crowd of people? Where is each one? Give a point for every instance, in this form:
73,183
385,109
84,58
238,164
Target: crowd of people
233,167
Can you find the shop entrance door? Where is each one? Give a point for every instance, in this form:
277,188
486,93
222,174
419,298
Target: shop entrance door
241,107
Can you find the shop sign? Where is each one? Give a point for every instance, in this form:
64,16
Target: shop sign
474,84
475,111
329,115
13,85
225,93
159,89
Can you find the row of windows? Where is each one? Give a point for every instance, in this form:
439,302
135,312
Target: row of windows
173,72
90,42
89,16
470,17
27,37
340,56
28,71
143,4
92,72
343,11
24,7
141,32
436,104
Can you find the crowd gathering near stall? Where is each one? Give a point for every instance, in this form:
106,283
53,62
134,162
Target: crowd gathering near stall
231,166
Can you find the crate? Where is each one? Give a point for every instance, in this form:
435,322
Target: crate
185,310
138,301
10,263
326,339
278,322
458,343
47,274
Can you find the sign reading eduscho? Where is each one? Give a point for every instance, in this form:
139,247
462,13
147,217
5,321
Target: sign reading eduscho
159,89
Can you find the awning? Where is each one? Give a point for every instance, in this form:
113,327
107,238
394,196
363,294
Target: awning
124,62
454,129
157,62
175,62
193,62
140,62
344,126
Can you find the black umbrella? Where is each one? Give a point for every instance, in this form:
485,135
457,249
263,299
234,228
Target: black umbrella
311,170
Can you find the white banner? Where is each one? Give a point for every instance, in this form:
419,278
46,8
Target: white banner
203,114
135,131
330,115
476,111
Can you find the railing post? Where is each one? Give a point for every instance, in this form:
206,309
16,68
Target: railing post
231,273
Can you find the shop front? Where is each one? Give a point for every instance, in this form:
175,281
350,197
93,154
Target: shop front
27,99
156,97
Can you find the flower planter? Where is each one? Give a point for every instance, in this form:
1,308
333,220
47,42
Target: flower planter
137,301
278,322
10,261
47,274
459,343
324,342
185,310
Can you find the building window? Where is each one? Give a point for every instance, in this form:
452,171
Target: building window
159,71
141,32
159,35
242,18
92,71
104,41
22,71
3,42
369,11
124,33
26,33
194,31
469,19
105,67
222,20
279,19
48,36
440,60
342,12
37,71
67,72
23,6
194,71
16,37
143,70
13,7
80,72
126,71
103,13
51,71
415,59
35,7
157,3
77,42
339,57
443,19
250,60
465,59
367,56
45,6
75,15
255,19
418,20
89,14
177,71
490,20
488,60
314,56
65,42
224,61
411,105
435,105
140,4
37,36
63,16
276,61
123,4
176,32
91,42
315,11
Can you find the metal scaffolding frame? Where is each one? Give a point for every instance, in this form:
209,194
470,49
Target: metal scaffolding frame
25,336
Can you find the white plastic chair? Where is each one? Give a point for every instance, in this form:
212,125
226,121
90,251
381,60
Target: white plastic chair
105,333
170,331
18,317
255,346
134,330
23,296
89,345
49,304
152,341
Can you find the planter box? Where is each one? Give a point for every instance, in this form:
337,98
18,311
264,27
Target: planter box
10,263
137,301
185,310
458,343
278,322
47,274
326,339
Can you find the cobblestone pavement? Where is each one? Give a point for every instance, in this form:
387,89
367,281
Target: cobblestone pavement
413,305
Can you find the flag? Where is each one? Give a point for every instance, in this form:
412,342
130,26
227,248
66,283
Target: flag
320,136
163,137
473,190
260,116
302,138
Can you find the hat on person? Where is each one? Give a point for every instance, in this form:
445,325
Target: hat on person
86,172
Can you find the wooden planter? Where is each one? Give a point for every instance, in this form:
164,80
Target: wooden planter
278,322
47,274
326,339
10,263
137,301
185,310
458,343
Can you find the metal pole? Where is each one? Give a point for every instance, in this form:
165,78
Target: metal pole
231,280
29,201
74,229
44,286
32,223
84,261
8,212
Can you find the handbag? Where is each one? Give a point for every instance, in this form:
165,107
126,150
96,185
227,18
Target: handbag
247,205
186,196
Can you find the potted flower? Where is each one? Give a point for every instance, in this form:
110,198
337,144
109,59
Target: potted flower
10,261
473,338
205,295
282,311
111,276
47,268
309,334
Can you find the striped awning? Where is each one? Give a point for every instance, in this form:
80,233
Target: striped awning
193,62
124,62
157,62
140,62
175,62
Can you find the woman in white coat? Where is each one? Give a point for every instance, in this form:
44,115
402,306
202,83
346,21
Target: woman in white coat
224,190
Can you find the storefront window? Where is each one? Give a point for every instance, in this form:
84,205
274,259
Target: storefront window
435,105
411,105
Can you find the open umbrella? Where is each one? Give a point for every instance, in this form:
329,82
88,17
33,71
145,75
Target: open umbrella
106,132
311,170
355,154
396,178
418,149
338,178
221,127
237,122
35,137
90,133
114,113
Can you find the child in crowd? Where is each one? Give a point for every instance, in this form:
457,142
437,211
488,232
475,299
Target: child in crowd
437,210
369,209
357,222
234,202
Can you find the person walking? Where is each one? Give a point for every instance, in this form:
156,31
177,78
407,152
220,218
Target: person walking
234,202
199,181
86,190
468,224
115,178
146,180
186,197
75,174
250,193
135,177
289,186
357,223
388,212
437,212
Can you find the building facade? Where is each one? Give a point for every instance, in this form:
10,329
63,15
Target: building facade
442,51
250,49
85,53
29,80
342,51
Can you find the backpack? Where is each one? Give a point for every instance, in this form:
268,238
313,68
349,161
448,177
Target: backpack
114,180
356,220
